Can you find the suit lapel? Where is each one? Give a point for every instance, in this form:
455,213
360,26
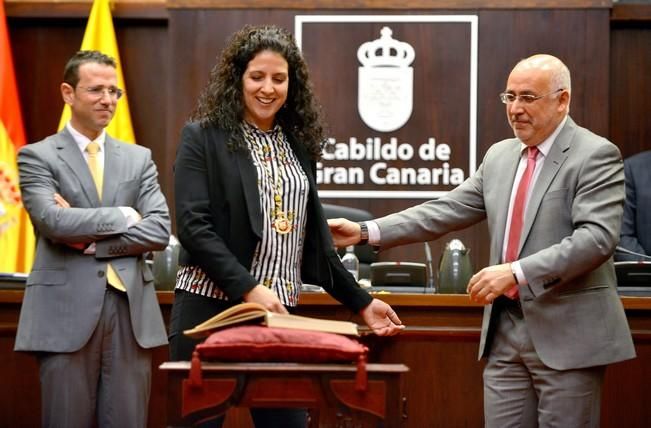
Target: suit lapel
306,164
113,170
557,155
70,154
249,177
303,158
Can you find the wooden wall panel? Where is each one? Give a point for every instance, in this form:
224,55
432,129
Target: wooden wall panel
436,386
385,4
20,400
41,49
630,82
144,52
577,37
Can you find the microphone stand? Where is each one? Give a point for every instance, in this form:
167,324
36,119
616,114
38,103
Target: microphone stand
632,253
430,269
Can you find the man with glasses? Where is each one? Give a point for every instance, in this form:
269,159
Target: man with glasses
552,198
90,312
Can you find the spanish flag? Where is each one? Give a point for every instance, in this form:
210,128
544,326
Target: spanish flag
16,234
100,36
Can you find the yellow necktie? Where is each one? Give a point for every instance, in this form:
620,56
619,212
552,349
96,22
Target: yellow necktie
97,172
95,169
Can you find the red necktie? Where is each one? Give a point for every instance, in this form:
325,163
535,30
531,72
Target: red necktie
517,213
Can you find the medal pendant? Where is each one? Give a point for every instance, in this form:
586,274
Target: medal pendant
282,225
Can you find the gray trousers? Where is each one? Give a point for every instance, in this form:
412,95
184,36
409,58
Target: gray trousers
521,391
109,378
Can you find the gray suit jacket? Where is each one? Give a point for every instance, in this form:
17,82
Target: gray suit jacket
570,231
636,225
65,289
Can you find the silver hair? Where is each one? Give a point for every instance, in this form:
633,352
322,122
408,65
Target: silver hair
560,78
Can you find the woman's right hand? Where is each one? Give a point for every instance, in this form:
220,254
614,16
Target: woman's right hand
267,298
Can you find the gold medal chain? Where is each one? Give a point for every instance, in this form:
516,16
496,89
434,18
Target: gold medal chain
282,221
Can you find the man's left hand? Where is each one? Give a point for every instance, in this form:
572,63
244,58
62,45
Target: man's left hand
489,283
381,318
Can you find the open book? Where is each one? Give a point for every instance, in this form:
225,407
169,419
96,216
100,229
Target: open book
252,312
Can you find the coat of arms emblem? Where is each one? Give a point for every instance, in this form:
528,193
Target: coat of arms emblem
10,200
385,81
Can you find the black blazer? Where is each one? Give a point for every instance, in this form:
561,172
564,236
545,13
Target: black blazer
219,219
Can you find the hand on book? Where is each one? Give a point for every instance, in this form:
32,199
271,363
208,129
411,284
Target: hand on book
267,298
254,312
381,318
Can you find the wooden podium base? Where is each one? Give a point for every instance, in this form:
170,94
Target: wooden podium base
328,390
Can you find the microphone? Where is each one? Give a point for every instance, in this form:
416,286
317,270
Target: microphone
632,253
430,268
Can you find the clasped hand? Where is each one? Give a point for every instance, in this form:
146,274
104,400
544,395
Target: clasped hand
61,202
489,283
130,214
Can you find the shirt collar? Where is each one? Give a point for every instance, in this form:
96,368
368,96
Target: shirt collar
546,145
253,128
83,141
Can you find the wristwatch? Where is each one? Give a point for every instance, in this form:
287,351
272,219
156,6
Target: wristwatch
514,275
363,233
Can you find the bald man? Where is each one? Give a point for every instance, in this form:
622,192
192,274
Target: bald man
552,197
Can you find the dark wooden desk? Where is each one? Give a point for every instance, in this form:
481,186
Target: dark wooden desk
327,388
443,386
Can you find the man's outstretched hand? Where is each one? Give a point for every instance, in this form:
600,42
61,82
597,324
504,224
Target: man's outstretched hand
344,232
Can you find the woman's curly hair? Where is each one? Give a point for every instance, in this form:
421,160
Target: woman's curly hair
221,102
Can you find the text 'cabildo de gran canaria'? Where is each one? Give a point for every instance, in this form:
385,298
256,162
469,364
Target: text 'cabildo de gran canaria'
384,168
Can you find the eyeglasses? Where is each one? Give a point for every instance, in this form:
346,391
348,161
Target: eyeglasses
99,91
509,98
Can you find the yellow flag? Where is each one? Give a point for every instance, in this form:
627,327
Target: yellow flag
100,36
16,232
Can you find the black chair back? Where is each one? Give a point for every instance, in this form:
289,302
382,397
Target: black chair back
364,253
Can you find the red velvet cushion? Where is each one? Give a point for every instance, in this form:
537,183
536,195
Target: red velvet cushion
259,343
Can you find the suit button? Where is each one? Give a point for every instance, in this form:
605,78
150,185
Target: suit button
100,273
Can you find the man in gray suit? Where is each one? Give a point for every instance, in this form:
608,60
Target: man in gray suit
635,238
90,311
553,200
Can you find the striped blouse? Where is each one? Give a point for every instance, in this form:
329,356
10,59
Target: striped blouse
283,188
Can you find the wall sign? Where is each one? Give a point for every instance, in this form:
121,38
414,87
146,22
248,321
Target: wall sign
401,103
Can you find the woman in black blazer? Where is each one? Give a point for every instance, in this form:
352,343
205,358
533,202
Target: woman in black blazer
247,210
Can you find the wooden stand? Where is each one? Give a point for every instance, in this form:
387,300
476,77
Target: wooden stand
328,390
